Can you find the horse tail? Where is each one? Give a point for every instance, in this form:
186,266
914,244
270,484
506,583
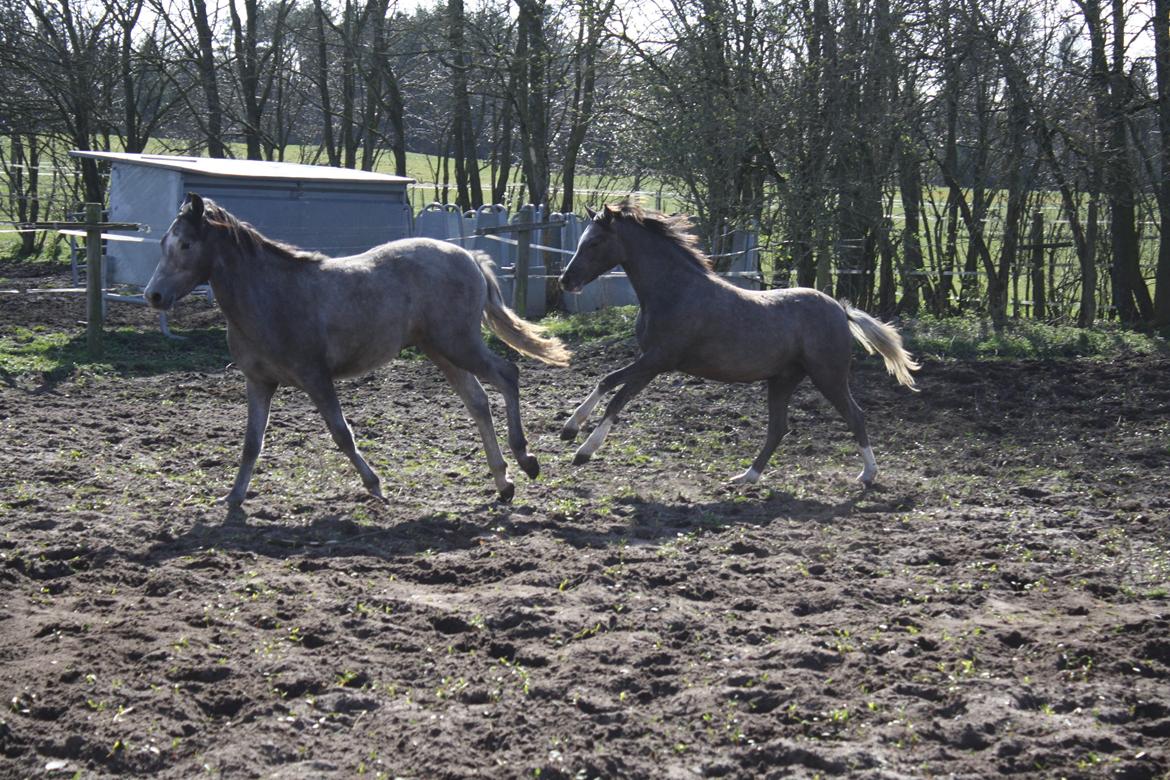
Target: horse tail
884,339
524,337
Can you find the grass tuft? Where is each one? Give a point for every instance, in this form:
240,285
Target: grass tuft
127,352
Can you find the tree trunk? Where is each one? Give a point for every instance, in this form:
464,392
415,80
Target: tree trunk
590,26
470,192
1161,316
206,67
910,187
323,89
531,103
248,72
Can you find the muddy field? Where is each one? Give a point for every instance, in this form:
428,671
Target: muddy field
998,604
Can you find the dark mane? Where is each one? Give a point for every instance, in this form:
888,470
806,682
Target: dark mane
675,229
248,237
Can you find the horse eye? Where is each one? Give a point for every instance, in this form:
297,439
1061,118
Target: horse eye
185,245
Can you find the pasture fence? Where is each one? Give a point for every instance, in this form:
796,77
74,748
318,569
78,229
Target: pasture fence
93,228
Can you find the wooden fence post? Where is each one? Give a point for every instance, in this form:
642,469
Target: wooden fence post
95,319
520,282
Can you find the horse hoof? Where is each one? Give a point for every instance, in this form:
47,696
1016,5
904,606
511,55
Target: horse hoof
749,477
530,466
568,434
230,500
507,494
580,459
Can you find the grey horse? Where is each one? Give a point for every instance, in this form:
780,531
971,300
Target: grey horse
693,321
303,319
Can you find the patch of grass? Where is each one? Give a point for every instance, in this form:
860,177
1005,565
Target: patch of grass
614,322
973,338
126,352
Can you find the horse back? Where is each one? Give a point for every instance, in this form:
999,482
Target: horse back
398,294
745,335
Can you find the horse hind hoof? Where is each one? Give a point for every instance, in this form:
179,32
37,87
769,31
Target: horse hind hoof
530,466
580,459
507,493
568,434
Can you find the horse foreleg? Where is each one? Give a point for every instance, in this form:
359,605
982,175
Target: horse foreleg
325,397
476,401
780,389
259,403
632,387
607,383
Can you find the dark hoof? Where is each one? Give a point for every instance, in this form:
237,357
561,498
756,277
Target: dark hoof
531,467
580,459
568,434
507,494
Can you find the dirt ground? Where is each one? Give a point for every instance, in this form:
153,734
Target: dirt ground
998,604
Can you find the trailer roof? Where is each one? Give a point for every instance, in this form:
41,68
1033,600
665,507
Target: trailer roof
246,169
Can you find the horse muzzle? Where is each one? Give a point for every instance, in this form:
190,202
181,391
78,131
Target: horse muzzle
569,285
156,300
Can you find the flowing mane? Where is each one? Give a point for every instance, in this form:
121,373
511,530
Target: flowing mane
675,229
247,237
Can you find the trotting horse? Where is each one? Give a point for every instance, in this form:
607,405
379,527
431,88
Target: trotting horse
303,319
693,321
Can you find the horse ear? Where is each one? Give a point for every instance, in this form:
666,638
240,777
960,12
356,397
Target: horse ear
196,206
590,212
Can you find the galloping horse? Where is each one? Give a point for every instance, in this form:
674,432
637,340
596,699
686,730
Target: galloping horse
693,321
300,318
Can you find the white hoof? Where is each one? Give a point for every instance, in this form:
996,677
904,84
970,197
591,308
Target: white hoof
868,473
749,477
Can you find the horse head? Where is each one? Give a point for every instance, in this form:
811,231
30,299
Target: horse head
599,250
186,256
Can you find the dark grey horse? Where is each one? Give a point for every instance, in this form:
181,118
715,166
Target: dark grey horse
300,318
693,321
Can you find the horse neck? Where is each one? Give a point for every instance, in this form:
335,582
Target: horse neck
238,278
657,268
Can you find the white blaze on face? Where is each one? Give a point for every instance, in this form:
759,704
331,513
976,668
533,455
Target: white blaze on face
586,234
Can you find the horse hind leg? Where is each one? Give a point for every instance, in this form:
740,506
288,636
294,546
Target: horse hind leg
834,385
324,396
476,401
780,389
504,376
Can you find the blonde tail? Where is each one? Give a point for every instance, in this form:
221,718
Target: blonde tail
877,336
524,337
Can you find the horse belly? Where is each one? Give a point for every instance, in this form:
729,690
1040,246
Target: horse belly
355,352
748,360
